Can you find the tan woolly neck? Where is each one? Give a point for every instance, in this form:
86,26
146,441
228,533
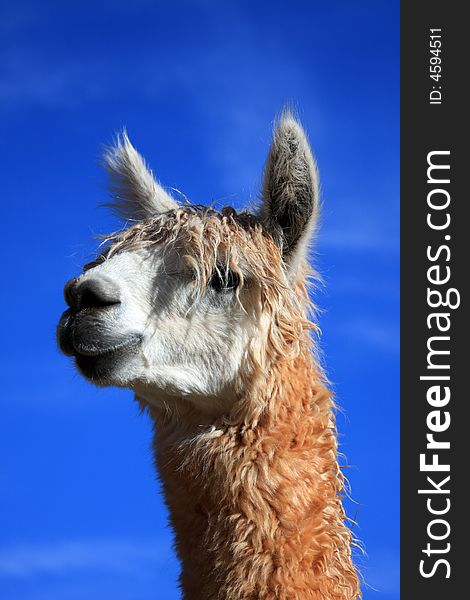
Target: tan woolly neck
257,510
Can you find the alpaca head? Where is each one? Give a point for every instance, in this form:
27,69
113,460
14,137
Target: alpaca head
187,301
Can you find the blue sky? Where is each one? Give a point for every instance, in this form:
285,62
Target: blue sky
197,84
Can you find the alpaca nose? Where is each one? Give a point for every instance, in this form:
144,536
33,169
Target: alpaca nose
91,293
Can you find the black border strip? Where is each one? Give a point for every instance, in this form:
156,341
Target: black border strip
433,396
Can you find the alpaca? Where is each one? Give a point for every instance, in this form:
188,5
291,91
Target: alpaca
205,316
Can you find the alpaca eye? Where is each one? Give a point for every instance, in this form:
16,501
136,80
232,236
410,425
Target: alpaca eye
222,279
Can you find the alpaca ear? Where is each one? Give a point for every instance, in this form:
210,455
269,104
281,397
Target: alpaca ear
136,193
290,191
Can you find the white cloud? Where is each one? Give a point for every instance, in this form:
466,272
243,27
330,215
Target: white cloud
352,224
108,555
383,335
359,239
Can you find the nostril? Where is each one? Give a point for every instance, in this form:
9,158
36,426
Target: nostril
92,298
95,294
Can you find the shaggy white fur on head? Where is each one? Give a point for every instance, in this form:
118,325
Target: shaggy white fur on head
197,346
191,346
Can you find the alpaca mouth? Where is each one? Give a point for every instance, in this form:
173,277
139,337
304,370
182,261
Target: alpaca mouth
89,341
82,348
100,367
